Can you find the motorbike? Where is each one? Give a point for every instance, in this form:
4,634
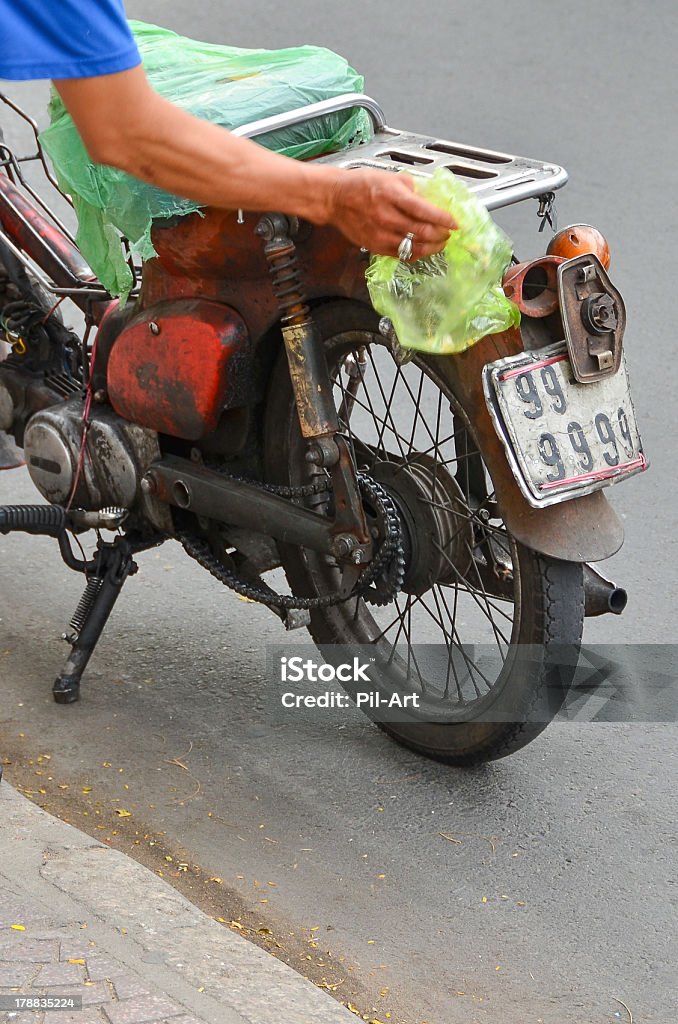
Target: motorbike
438,514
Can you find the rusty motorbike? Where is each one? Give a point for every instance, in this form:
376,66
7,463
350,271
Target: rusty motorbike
439,512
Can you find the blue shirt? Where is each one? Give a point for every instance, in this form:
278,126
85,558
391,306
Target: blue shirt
64,39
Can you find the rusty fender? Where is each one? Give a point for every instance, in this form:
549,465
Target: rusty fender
584,529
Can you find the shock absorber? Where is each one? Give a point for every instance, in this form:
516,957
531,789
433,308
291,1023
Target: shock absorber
283,264
312,388
305,354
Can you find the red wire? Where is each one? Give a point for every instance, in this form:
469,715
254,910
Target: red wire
53,309
85,426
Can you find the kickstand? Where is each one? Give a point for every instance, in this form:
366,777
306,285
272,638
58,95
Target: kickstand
111,567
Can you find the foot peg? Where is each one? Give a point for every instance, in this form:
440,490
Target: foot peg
53,520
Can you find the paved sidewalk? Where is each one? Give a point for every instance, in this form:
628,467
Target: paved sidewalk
78,918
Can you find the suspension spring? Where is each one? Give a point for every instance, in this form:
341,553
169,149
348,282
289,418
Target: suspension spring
283,264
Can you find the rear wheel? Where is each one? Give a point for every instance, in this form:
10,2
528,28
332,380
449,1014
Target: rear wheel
485,631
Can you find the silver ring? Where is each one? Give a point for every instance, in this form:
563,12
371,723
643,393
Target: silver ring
405,247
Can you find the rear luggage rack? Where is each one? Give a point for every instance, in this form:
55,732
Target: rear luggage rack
498,179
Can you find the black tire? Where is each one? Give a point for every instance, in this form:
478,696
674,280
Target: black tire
534,666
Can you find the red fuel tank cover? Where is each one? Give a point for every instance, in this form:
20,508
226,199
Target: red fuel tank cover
173,366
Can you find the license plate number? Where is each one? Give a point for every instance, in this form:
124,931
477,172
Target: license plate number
563,438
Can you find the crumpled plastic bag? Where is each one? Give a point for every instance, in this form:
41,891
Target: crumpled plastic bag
222,84
445,303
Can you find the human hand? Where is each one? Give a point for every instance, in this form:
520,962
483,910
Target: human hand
378,209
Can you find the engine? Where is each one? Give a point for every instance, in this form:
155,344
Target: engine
116,456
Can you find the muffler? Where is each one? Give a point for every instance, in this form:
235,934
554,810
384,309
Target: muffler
602,596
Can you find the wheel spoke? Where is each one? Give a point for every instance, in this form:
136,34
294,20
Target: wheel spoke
399,414
473,593
417,404
387,404
369,408
450,656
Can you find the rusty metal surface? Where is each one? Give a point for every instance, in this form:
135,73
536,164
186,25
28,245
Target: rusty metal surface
580,530
190,486
348,507
523,285
175,367
303,346
217,258
602,596
594,318
310,380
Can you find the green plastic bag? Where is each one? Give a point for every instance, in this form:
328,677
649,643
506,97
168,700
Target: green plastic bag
448,301
222,84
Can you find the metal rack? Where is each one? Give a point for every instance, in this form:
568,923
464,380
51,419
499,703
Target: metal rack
14,165
498,179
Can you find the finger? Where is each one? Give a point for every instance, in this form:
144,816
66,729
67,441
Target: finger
419,209
430,233
406,179
421,246
420,251
390,244
393,223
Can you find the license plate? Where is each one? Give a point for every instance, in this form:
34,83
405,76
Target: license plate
562,438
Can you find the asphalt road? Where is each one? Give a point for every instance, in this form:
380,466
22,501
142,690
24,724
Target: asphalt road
556,899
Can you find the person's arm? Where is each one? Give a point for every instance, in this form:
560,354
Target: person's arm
126,124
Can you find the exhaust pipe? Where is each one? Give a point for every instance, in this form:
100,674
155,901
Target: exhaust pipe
602,596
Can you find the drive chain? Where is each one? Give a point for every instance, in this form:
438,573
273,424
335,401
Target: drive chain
388,563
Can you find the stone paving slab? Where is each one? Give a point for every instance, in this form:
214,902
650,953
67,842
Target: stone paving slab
35,967
94,923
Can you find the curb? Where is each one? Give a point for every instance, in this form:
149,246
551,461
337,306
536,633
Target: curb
178,963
